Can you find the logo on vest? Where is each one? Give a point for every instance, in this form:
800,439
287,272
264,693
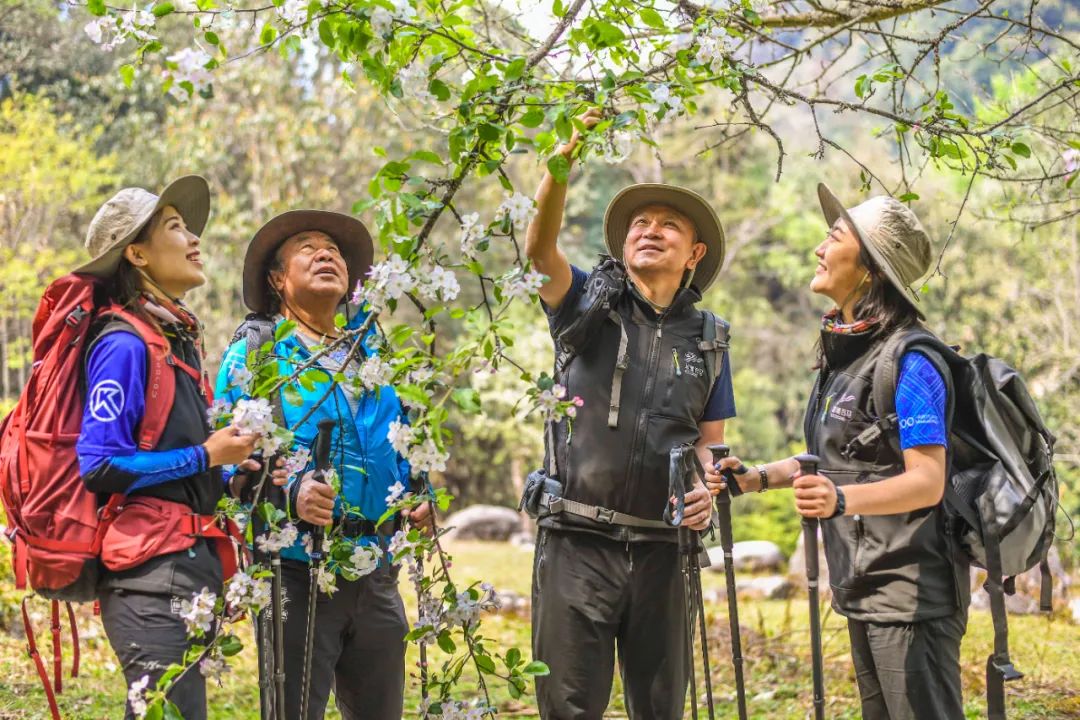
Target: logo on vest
106,401
693,364
837,411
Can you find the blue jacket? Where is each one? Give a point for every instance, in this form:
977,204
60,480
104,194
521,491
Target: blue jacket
360,451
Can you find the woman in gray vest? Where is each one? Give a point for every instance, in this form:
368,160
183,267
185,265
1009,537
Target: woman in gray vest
892,568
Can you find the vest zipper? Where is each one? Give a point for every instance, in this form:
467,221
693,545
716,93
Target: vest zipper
637,450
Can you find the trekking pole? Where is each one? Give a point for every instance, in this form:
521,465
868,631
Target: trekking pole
263,628
808,465
674,518
700,601
727,542
276,496
315,559
422,487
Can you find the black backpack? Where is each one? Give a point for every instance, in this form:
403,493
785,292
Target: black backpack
1001,498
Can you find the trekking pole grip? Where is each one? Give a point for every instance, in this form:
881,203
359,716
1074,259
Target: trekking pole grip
719,452
808,465
322,464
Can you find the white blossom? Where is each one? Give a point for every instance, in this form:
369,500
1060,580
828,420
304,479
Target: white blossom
400,436
190,67
365,559
297,461
240,377
217,412
439,283
214,666
472,234
616,147
395,492
248,592
521,285
681,41
198,612
326,580
427,457
381,20
399,543
663,101
137,696
1071,158
415,79
294,12
387,280
277,540
103,31
711,49
137,24
518,207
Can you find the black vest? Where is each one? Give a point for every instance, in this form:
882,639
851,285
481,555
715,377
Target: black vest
665,387
882,568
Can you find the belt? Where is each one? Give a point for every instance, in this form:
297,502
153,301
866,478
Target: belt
555,505
354,527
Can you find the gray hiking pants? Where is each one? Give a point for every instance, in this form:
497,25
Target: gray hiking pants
592,595
909,671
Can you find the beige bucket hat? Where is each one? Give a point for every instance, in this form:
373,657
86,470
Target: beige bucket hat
891,233
709,231
117,223
351,235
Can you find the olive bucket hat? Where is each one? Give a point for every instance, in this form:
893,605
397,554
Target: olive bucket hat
629,200
351,235
118,222
891,233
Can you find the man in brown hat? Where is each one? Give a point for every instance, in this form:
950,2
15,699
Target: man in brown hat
299,267
653,373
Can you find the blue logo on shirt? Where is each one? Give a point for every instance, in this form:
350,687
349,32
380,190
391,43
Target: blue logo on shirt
106,401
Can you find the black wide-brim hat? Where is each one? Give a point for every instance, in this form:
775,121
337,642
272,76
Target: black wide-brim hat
351,235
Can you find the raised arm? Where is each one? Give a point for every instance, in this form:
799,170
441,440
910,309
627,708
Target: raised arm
541,238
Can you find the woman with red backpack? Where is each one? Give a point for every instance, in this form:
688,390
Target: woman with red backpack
894,571
154,463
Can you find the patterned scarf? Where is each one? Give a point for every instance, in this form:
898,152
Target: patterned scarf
831,323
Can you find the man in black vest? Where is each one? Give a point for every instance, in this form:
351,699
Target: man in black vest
652,372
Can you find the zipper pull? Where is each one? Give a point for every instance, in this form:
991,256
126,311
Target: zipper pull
675,360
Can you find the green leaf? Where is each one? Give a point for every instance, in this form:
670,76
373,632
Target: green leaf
292,395
1011,160
439,89
339,320
211,37
154,712
489,132
467,399
532,118
230,645
559,167
427,156
326,33
908,197
515,69
163,9
485,664
172,712
284,330
127,74
1021,149
268,34
863,84
96,7
446,643
536,667
558,9
563,127
603,34
513,657
652,18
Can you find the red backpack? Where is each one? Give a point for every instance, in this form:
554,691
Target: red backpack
54,523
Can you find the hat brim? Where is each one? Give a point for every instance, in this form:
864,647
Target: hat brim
832,208
351,235
709,231
190,195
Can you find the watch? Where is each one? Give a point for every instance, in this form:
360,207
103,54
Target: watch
763,478
841,504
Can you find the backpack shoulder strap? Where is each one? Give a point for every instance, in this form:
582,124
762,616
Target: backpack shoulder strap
715,340
256,331
160,378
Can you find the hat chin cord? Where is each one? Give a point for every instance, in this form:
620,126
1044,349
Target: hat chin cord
157,286
851,295
292,311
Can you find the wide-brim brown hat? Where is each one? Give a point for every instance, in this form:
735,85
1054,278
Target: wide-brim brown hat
709,231
351,235
891,234
118,222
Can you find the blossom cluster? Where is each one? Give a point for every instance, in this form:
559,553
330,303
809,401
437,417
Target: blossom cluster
519,208
188,66
392,278
520,284
455,709
198,612
553,404
136,696
247,592
277,540
422,452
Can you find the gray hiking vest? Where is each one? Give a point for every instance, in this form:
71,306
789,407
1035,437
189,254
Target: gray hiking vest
645,381
882,568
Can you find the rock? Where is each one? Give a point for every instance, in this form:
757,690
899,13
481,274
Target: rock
771,587
483,522
1028,588
750,555
797,568
512,602
523,540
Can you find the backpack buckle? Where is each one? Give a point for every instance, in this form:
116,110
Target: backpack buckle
605,515
1006,669
75,317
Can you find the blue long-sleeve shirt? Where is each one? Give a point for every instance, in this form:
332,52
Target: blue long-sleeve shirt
109,457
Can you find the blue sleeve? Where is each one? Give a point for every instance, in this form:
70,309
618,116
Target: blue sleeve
235,356
109,458
562,316
920,402
721,404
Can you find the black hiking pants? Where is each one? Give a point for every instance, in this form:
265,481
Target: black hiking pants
148,636
359,645
592,595
909,671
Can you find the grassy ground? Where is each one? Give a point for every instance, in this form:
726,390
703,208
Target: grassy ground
775,642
